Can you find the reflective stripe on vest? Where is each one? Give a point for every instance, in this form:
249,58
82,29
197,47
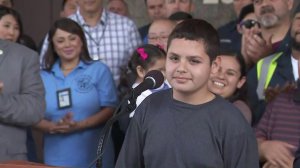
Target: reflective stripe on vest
265,70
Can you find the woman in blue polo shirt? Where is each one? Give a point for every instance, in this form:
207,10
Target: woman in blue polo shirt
80,96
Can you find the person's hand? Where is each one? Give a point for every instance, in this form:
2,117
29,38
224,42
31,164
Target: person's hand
255,47
67,124
269,165
55,128
277,153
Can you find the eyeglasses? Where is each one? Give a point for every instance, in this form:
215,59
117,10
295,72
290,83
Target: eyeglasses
156,38
248,24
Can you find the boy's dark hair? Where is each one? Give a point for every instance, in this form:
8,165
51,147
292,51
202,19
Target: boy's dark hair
69,26
198,30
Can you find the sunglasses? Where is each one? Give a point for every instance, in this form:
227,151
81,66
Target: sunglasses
248,24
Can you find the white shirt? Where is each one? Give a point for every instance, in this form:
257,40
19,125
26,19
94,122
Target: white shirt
295,68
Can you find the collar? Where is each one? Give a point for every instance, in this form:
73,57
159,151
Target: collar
82,22
56,67
284,64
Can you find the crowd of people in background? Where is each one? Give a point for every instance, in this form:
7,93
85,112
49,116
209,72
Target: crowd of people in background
230,98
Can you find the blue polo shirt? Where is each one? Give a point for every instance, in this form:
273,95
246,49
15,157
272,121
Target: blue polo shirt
92,87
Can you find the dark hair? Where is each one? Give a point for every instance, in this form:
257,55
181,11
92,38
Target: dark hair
63,4
123,1
28,42
198,30
70,26
178,16
153,52
9,11
239,94
246,10
129,74
296,10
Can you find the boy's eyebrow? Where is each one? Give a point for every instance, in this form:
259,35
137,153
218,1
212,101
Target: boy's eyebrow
173,54
189,56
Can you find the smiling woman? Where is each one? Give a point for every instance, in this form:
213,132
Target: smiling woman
229,81
80,96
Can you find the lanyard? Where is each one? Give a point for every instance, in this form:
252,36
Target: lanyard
95,41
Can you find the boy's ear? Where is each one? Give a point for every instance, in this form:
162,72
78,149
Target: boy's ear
140,72
215,65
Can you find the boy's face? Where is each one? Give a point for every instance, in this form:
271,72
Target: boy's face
187,69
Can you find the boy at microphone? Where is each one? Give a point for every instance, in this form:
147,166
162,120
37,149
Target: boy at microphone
187,125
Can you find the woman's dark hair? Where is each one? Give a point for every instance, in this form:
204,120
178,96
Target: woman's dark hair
9,11
144,56
198,30
28,42
72,27
241,93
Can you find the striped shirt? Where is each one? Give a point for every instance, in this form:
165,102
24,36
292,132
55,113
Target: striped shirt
281,120
112,40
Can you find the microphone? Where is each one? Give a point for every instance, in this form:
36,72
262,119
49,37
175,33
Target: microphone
152,80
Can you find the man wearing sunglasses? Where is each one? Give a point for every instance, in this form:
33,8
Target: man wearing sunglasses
247,19
274,17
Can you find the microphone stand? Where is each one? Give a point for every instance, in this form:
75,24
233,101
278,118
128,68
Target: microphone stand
127,105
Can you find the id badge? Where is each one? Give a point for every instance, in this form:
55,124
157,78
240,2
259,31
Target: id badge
64,99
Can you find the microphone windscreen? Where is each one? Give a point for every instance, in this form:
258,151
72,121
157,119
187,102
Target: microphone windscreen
157,77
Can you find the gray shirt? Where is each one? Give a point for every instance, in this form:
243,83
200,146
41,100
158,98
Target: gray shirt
168,133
